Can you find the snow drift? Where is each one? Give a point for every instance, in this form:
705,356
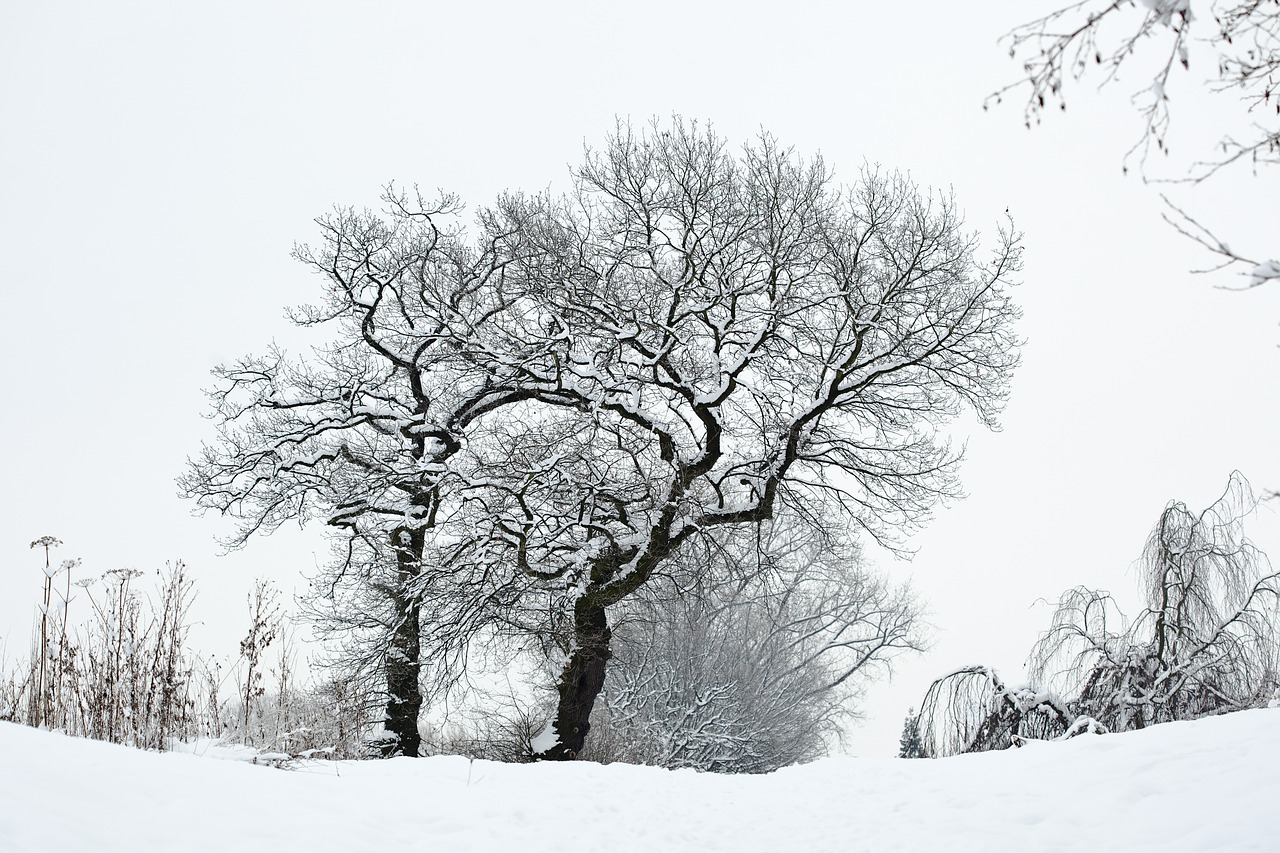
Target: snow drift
1205,785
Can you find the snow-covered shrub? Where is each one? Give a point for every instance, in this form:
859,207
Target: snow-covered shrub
280,710
493,725
686,692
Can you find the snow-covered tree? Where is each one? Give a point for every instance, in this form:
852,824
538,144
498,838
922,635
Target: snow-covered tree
910,744
511,431
750,655
973,710
1207,642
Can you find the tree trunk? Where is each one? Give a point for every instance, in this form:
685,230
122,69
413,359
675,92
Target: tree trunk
581,682
404,660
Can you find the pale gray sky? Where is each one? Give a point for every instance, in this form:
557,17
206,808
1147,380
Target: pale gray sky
158,160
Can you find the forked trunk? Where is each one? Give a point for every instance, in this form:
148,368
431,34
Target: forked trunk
581,682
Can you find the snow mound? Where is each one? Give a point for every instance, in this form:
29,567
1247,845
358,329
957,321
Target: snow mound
1197,786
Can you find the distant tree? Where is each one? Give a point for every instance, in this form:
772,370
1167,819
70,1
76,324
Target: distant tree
1064,45
749,656
1207,642
512,434
909,743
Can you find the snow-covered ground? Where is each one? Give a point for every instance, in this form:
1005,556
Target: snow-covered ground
1209,785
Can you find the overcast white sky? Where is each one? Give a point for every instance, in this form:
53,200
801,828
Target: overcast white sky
158,161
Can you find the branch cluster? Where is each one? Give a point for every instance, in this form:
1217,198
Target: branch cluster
1106,34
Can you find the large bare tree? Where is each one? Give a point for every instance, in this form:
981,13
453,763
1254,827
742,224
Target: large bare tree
512,430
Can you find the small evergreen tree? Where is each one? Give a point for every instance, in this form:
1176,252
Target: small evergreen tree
909,745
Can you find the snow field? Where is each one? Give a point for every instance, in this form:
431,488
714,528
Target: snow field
1207,785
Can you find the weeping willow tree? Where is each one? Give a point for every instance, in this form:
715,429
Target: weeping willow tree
973,710
1206,642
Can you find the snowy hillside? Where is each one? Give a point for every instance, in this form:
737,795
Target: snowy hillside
1205,785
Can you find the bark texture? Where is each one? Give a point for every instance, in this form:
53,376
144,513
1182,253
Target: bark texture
404,655
581,681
